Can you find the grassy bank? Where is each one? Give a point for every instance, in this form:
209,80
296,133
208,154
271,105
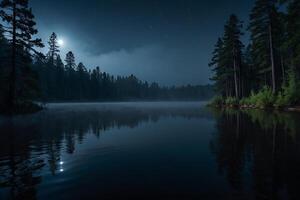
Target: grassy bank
288,97
263,99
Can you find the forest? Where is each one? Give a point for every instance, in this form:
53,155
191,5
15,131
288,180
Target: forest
263,69
28,76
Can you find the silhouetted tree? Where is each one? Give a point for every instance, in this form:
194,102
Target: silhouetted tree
293,34
227,60
70,61
53,48
220,71
20,29
3,67
233,50
264,21
82,81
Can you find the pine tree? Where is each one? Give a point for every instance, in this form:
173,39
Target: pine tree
250,75
220,71
2,38
53,48
96,91
3,46
51,68
3,68
264,19
233,50
21,28
293,34
70,60
81,68
60,79
70,75
227,60
82,79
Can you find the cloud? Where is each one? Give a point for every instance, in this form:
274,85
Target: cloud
162,64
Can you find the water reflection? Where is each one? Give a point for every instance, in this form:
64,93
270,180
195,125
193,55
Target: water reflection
259,152
214,154
19,164
29,143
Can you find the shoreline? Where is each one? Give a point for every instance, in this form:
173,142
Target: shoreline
252,107
38,106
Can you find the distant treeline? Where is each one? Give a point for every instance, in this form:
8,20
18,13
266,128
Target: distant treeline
267,69
27,75
72,82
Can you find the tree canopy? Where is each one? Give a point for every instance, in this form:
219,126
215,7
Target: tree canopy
271,56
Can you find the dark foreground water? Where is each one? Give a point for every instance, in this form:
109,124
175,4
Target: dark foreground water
149,151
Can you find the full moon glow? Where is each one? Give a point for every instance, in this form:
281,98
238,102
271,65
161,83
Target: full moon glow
60,42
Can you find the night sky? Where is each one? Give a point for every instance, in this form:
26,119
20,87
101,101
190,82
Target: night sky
167,41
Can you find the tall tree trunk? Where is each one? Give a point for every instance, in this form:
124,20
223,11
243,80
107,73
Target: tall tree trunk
242,88
272,59
12,79
235,76
266,80
282,67
240,82
226,90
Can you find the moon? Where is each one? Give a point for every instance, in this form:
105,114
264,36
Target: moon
60,42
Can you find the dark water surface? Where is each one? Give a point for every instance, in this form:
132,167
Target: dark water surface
149,151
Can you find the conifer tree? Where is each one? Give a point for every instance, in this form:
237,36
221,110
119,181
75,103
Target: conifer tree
264,19
293,34
220,71
82,80
53,48
3,68
227,59
60,78
2,38
233,51
70,75
20,29
70,61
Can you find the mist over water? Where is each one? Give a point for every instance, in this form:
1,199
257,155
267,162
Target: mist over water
149,150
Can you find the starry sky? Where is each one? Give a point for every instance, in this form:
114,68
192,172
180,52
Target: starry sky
167,41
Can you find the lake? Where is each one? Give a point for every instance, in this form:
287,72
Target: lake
160,150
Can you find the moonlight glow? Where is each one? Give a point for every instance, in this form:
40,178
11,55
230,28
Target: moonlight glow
60,42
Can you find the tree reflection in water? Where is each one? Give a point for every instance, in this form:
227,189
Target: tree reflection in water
29,144
259,152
